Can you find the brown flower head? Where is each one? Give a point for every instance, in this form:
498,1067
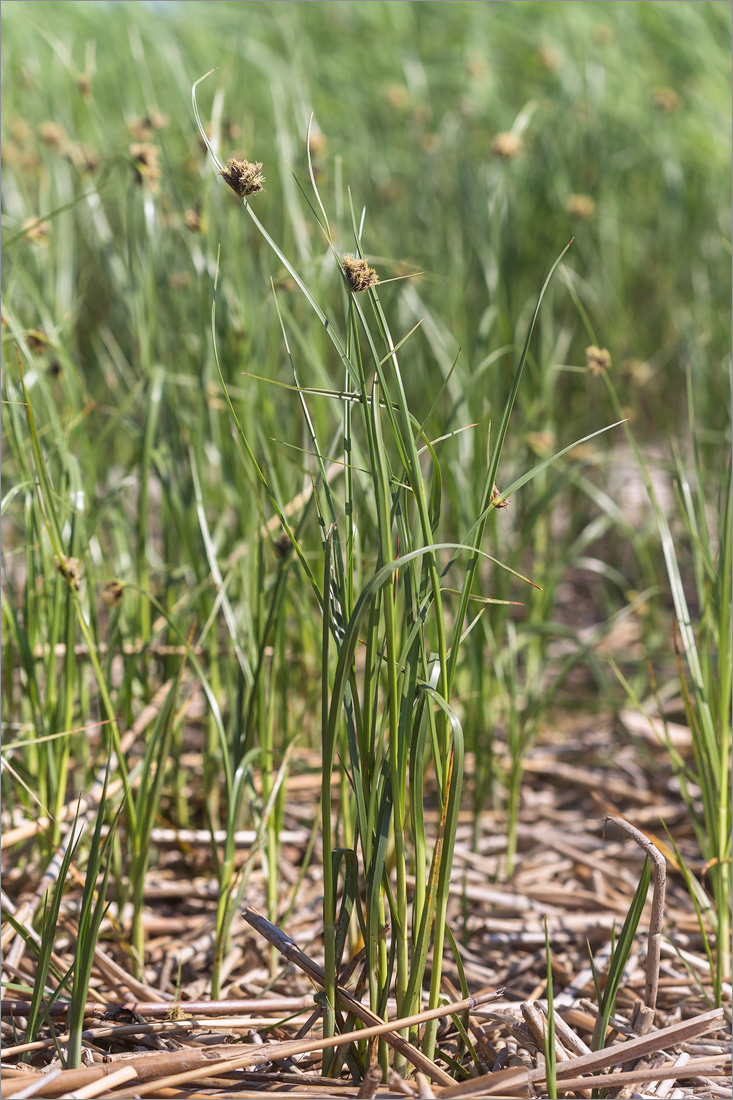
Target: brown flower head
84,83
603,34
37,340
243,177
69,570
581,206
496,499
143,128
82,157
20,131
282,546
397,96
506,146
541,442
53,135
360,275
112,593
147,168
477,66
318,143
179,279
597,360
192,218
637,370
550,57
666,99
36,230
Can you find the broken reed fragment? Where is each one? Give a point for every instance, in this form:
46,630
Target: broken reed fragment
243,177
360,275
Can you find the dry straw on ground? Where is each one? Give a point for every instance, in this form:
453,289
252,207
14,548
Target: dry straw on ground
573,867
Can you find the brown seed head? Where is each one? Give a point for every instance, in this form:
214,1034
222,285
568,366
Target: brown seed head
178,279
243,177
193,220
666,99
84,83
637,370
360,275
82,157
397,96
142,128
597,360
69,570
506,146
36,231
603,34
20,131
581,206
112,593
550,57
477,66
37,340
147,168
53,135
496,501
541,442
282,546
318,143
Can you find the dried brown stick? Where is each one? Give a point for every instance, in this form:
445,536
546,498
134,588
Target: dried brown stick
171,1027
642,1076
637,1048
537,1023
94,1088
643,1020
293,954
277,1051
503,1083
145,1065
163,1008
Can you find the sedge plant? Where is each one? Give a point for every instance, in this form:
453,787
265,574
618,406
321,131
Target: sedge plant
388,715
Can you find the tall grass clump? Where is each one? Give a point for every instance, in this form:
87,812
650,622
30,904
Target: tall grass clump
390,644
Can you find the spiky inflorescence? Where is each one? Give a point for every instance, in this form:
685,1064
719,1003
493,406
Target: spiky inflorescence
243,177
360,275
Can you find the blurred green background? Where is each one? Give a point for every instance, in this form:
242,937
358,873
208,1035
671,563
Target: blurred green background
623,111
